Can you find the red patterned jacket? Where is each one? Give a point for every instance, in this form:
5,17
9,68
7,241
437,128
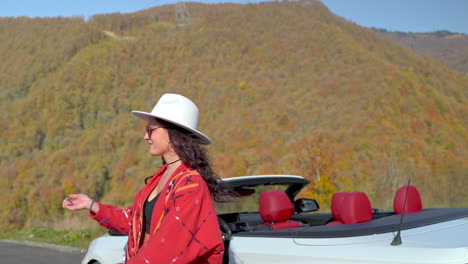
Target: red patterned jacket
184,224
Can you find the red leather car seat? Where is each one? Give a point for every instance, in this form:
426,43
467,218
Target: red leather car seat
412,197
276,210
336,201
355,208
350,208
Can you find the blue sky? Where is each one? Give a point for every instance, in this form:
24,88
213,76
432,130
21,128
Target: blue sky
401,15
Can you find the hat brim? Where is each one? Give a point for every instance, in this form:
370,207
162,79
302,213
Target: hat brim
148,116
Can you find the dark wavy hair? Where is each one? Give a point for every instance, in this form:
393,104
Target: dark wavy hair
191,151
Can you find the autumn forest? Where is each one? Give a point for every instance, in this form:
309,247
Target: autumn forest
282,87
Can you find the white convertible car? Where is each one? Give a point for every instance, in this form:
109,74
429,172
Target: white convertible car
266,224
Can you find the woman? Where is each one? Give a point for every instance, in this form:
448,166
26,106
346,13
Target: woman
172,219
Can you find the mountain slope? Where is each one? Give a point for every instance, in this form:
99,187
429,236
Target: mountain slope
451,49
282,88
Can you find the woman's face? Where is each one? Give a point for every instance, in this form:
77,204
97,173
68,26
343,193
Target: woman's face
158,141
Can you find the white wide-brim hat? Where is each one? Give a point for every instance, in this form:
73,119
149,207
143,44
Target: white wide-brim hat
178,110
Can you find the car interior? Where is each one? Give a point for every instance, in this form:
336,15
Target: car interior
277,211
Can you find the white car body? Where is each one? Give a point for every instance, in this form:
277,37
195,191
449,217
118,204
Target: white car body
106,249
437,236
444,243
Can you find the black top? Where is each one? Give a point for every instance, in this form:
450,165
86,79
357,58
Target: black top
148,212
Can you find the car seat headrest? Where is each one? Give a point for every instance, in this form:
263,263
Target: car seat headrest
413,200
355,208
275,206
337,200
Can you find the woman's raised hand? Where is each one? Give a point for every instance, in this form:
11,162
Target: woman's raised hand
76,202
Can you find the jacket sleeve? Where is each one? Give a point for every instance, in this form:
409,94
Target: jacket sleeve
188,232
112,217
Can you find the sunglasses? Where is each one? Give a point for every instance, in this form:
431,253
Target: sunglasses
149,130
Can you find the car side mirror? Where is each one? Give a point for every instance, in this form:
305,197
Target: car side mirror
304,205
